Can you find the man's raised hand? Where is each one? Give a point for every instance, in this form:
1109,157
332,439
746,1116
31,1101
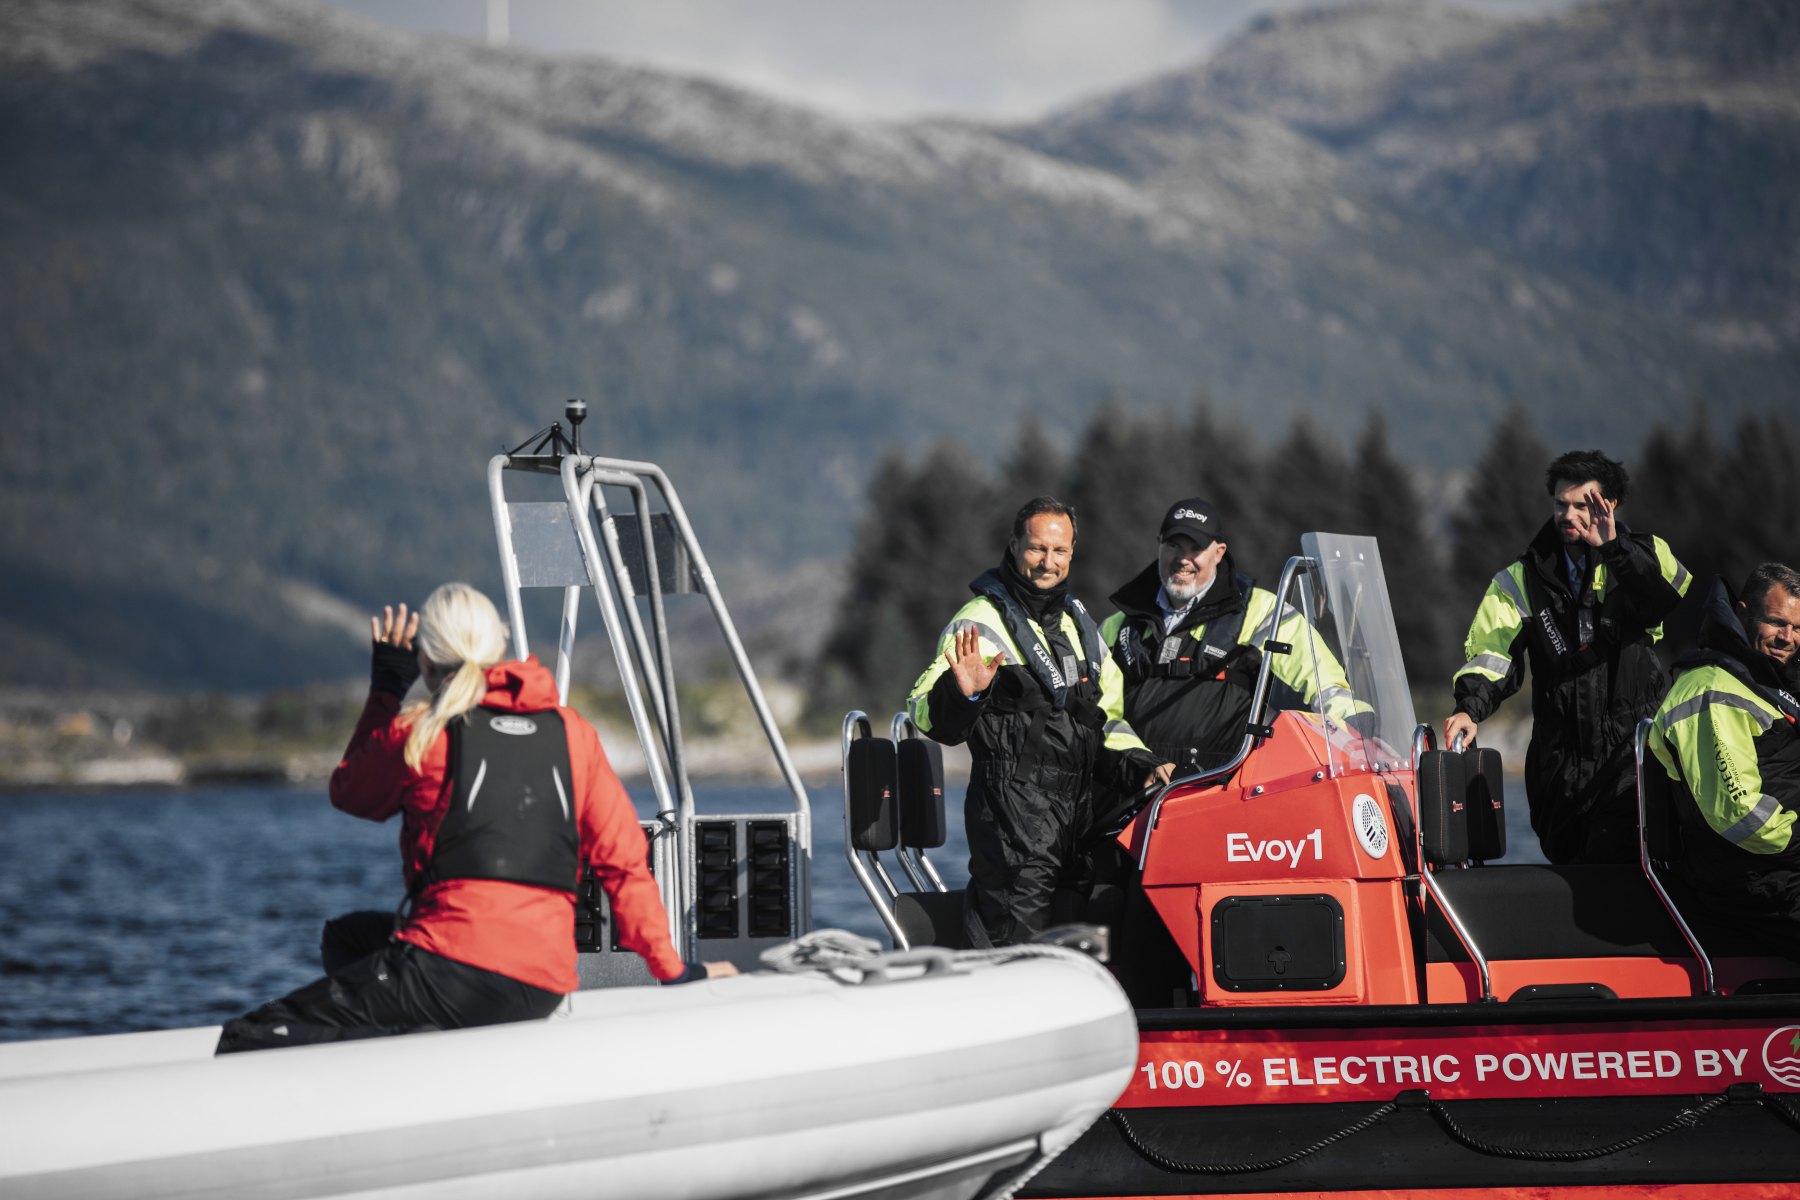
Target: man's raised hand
973,673
1600,529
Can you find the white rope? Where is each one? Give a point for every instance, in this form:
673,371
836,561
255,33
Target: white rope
851,958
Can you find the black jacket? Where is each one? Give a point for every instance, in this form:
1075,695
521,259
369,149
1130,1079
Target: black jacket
1192,711
1594,675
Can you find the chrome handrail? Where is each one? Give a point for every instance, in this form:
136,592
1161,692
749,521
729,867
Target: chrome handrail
709,587
1424,740
1258,698
1640,744
918,868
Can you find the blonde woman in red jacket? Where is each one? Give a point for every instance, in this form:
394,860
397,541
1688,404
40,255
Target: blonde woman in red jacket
503,796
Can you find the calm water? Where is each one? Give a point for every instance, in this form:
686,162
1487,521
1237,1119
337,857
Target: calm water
152,910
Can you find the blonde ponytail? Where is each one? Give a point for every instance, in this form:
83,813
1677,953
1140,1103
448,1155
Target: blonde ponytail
461,636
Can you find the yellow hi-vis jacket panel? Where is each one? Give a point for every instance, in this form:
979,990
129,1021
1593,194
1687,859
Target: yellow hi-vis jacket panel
1490,647
1705,735
1311,669
980,613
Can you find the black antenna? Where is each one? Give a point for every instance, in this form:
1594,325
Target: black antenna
550,443
576,411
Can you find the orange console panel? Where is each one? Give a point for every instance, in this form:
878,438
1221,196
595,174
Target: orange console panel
1285,888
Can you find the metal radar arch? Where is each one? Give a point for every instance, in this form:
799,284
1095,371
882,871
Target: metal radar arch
733,883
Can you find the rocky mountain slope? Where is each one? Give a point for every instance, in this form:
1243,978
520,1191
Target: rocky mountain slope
277,282
1650,145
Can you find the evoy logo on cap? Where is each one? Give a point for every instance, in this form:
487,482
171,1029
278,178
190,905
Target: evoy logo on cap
516,726
1188,514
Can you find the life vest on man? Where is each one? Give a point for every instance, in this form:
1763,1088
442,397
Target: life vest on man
1078,674
1180,655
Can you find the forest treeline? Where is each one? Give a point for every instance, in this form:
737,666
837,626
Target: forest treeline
1724,500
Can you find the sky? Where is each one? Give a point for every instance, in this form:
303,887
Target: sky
990,59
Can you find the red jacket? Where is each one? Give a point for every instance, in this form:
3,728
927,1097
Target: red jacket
524,932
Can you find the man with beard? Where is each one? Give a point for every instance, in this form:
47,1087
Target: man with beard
1726,734
1022,677
1186,638
1585,603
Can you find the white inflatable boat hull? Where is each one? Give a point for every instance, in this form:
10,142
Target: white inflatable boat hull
763,1085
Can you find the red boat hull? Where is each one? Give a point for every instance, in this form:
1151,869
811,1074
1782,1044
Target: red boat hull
1597,1098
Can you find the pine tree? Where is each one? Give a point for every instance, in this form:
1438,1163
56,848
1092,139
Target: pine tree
1386,502
1680,487
1034,467
1225,468
1120,484
1305,489
941,536
1761,508
1501,509
846,665
922,539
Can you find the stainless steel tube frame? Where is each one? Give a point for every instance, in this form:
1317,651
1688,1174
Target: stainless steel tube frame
1257,700
1422,741
657,669
1640,747
669,888
918,868
709,587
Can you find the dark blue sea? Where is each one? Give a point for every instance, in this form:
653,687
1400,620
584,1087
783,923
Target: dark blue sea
134,910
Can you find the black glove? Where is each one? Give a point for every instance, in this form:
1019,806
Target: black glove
1137,764
392,669
1363,723
690,972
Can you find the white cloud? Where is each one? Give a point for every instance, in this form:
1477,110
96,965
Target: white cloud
884,58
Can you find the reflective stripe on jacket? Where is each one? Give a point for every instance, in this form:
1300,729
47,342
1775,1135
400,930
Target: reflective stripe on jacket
1310,664
1492,649
1186,694
981,614
1594,675
1716,736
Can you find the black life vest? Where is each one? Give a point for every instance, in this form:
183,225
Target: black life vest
1180,656
1570,632
512,802
1059,680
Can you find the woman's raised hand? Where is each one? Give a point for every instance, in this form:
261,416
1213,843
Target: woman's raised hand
394,629
393,665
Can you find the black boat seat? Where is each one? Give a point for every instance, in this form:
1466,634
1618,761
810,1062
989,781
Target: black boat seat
1515,911
931,918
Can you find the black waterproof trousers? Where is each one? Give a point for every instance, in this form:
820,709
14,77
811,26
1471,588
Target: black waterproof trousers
1023,845
397,988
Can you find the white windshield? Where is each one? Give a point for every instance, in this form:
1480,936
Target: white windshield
1343,594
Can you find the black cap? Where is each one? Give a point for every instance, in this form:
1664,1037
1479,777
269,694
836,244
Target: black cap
1195,518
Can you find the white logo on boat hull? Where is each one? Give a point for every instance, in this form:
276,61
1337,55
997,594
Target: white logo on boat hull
1371,826
1241,847
1781,1055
